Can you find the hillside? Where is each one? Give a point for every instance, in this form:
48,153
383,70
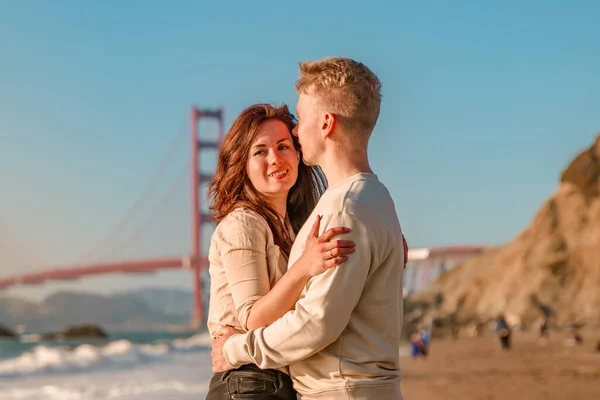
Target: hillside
552,267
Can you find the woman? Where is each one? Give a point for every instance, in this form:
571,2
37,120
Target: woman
260,196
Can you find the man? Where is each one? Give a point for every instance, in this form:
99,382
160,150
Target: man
503,330
341,340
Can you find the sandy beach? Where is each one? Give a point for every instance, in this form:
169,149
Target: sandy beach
476,369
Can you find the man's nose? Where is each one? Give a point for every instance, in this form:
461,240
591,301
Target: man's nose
295,131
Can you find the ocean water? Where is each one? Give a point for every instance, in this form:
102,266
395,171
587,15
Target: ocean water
128,366
148,366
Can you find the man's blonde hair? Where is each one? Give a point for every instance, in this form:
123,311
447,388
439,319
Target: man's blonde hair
346,88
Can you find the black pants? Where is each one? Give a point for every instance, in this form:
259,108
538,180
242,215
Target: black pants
251,382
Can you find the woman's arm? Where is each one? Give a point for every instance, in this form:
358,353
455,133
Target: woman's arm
279,300
320,254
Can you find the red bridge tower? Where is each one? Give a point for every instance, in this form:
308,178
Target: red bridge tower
198,260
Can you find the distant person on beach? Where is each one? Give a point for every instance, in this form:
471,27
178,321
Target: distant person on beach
341,340
260,196
419,341
504,332
544,331
425,334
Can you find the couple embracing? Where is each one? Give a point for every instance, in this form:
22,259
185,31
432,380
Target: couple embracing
307,258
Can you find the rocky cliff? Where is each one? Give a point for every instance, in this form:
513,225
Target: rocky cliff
552,267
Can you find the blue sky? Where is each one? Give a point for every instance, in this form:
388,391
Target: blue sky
484,104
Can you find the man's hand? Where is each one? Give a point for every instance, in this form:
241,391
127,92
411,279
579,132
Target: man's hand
219,363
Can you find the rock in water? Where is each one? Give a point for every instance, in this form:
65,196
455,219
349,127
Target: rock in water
7,333
77,332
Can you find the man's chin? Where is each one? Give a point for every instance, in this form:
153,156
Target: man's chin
308,162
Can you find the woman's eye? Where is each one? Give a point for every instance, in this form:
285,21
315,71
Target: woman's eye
259,152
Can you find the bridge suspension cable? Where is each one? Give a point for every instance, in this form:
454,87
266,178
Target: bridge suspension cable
105,242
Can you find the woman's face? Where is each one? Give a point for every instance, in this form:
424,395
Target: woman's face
272,164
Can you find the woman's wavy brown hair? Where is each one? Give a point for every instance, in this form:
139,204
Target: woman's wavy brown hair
231,187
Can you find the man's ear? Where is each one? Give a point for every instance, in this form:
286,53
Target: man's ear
328,124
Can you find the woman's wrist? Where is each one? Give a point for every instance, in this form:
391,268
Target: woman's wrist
300,268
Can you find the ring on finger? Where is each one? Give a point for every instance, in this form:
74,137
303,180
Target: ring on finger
331,253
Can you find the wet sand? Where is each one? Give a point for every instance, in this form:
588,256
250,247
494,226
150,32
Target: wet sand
477,369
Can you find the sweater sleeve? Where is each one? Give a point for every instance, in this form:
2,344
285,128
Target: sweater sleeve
318,318
243,242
